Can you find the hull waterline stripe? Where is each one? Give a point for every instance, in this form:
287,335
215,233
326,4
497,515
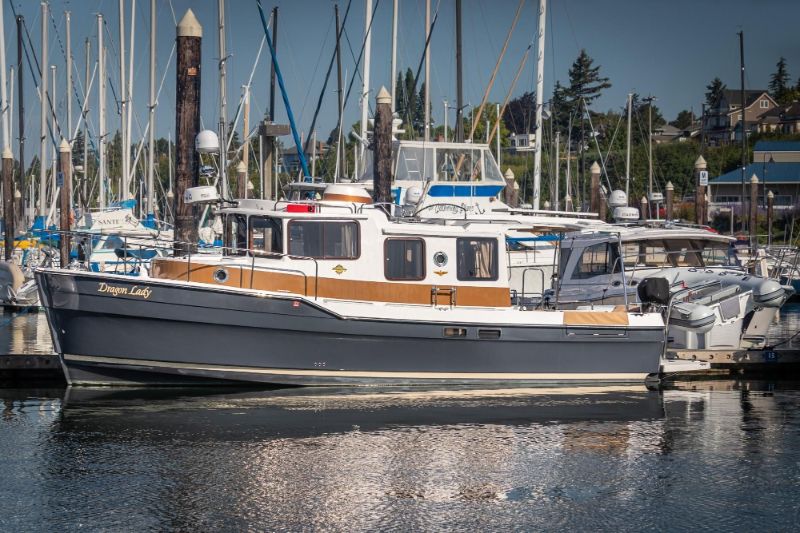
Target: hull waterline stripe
628,376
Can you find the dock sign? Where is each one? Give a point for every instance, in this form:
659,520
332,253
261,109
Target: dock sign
60,179
704,178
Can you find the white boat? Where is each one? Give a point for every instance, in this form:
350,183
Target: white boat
336,292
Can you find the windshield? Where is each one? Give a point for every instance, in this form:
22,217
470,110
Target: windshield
665,253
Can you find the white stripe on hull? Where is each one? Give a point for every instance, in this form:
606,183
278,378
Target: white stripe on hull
355,374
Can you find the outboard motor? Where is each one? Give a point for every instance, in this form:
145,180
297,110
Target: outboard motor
653,291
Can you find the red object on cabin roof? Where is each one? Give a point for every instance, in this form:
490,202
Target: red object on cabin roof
301,208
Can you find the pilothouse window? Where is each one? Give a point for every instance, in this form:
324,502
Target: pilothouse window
235,237
265,235
596,260
404,259
477,259
324,239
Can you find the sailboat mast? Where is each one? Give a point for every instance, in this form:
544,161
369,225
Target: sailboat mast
223,100
394,54
126,190
85,187
427,95
53,129
123,100
67,21
743,123
151,152
340,98
459,133
42,204
21,111
101,104
3,92
365,88
557,169
537,154
628,149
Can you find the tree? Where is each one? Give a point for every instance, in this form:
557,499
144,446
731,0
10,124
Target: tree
683,120
779,87
519,113
714,92
585,82
641,109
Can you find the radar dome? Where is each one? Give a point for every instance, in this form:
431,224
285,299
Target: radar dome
206,142
618,198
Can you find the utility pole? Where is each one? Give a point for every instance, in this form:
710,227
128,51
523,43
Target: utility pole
151,143
187,126
42,203
101,103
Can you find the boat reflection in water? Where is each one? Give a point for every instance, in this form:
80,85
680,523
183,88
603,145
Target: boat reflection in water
622,457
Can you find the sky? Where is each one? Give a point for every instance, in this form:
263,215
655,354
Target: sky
670,49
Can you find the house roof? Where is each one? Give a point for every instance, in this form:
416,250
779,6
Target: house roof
778,172
734,98
777,146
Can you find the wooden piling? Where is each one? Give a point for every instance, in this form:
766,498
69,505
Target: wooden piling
670,188
65,163
643,210
382,159
595,206
700,165
8,202
241,180
754,213
770,214
187,126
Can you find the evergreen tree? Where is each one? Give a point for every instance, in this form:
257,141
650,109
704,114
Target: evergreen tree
714,92
520,112
585,82
641,109
779,87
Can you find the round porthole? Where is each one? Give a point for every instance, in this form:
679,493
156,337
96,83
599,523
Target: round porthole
440,259
220,275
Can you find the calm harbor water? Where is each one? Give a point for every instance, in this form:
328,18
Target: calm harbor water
702,455
717,455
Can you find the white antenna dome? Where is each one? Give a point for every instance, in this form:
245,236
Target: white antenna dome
618,198
413,195
622,214
207,142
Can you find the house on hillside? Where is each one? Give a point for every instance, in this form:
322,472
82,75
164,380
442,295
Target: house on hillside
522,142
776,164
782,119
723,121
291,161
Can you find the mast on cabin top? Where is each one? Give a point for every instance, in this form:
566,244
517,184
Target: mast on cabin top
459,74
42,200
101,104
365,87
151,152
340,155
537,154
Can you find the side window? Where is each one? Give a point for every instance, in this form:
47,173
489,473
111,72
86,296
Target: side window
266,235
235,238
595,260
404,259
477,259
324,239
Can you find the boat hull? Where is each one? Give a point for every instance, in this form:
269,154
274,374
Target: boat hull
114,330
